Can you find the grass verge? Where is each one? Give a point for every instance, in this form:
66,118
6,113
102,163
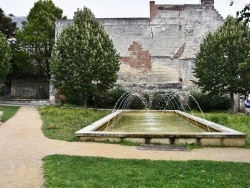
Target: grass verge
74,171
8,112
62,123
239,122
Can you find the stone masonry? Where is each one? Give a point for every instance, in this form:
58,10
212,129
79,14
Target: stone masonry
157,53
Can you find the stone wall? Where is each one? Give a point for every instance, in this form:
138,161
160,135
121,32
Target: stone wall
157,53
34,89
4,90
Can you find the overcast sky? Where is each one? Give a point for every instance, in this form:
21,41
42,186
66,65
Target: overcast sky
113,8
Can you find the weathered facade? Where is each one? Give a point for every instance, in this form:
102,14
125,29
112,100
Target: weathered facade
30,89
157,53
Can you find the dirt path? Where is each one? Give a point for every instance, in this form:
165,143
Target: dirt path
23,145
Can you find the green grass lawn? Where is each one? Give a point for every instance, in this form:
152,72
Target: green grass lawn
8,112
62,123
74,171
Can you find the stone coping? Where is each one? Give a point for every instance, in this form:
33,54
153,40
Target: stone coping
24,102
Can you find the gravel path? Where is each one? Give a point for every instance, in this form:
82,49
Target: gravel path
23,145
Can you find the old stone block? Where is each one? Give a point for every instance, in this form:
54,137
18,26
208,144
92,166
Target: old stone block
160,141
184,141
237,142
135,140
211,142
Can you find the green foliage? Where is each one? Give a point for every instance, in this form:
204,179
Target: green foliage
37,36
116,93
208,103
102,100
137,103
5,57
244,14
84,59
131,100
109,98
7,27
21,62
8,112
222,65
75,171
59,123
165,101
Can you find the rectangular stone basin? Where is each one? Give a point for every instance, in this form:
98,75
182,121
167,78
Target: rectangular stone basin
217,135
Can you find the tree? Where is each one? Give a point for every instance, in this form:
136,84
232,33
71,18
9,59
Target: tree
38,34
7,27
20,62
222,63
244,14
84,59
5,57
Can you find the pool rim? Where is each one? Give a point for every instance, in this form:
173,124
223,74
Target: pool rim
224,137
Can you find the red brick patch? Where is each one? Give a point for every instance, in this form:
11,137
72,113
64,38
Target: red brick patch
138,59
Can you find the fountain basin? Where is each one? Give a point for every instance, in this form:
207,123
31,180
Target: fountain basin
217,135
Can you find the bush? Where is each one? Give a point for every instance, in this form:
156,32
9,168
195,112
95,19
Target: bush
208,103
165,101
113,99
223,103
102,100
132,101
110,99
116,94
137,104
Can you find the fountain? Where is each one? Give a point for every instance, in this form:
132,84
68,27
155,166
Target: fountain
153,126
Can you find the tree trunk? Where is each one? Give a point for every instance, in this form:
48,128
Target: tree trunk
232,102
85,100
238,101
47,64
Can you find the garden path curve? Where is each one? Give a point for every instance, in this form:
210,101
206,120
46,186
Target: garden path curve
23,145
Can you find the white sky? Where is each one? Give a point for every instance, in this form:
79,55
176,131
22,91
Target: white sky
114,8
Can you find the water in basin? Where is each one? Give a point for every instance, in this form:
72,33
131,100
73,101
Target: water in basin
151,121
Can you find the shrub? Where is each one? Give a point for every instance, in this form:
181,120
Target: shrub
223,103
102,100
111,98
208,103
137,103
106,99
116,93
165,101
